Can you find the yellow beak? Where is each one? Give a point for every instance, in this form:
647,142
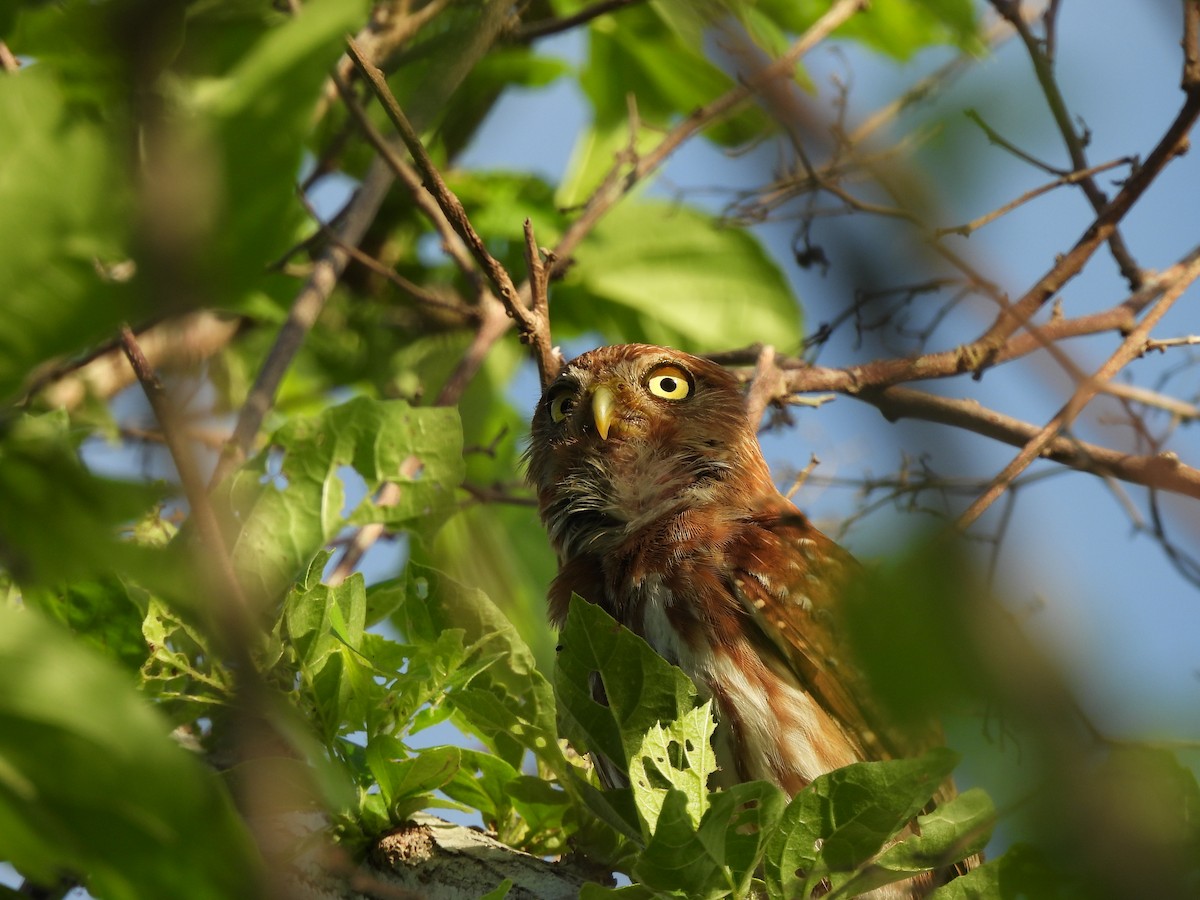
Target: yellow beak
603,406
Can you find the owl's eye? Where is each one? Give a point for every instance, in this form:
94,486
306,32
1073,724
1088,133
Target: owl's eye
670,383
561,406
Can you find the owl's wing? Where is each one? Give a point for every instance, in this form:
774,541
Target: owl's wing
790,578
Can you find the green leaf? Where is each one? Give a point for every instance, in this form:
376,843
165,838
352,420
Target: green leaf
499,892
103,612
406,782
509,705
324,625
483,782
840,821
718,855
899,28
674,758
63,171
666,274
258,116
181,672
58,521
90,782
641,688
954,830
1022,872
930,598
656,59
291,498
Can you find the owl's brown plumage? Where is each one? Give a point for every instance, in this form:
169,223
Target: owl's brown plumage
657,499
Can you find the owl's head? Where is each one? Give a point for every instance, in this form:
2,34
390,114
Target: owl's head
631,433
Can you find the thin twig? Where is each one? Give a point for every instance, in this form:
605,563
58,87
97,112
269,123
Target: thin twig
766,385
1128,351
432,180
1162,471
994,137
619,182
303,314
532,30
1172,143
451,243
946,363
534,330
1161,344
1044,69
802,476
451,305
8,62
176,342
358,217
548,362
974,225
233,610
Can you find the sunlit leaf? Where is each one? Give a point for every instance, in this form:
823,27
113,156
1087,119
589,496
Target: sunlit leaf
292,498
640,687
665,274
841,820
511,705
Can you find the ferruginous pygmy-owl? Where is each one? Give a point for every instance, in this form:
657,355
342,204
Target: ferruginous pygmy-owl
657,499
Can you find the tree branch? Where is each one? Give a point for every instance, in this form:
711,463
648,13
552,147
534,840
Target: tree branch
1044,69
531,31
1129,350
1122,317
1163,471
534,330
302,316
1172,143
332,262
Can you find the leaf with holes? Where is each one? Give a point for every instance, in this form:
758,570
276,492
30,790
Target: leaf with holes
293,498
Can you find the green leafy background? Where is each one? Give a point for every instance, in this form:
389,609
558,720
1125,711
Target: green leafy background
117,690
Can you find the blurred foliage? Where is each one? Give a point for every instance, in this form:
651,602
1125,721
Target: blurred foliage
149,164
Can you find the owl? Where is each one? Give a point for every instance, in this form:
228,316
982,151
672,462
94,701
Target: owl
654,492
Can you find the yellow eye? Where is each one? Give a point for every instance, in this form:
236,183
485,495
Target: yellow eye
670,383
561,406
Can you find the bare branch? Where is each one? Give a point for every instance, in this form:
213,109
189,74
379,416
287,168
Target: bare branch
942,364
1129,350
1191,47
173,343
451,304
1172,143
534,329
8,62
618,182
1163,471
303,314
451,243
1069,178
1044,69
766,385
1162,344
533,30
548,361
332,262
230,604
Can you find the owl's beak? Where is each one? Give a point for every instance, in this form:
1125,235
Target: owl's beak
603,405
